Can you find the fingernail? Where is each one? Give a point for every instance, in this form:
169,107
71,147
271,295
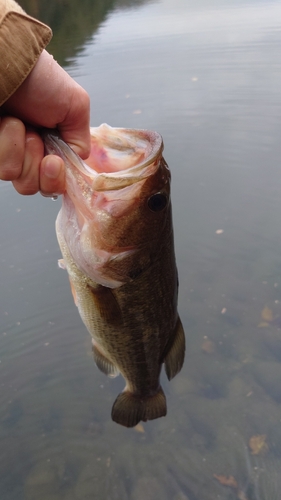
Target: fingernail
83,151
52,167
77,149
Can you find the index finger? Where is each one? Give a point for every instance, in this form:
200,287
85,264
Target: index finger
75,128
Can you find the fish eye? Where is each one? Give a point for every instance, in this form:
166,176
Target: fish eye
157,202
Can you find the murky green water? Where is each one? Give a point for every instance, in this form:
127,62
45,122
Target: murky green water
206,75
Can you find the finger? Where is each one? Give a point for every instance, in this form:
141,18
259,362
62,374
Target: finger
12,147
52,176
75,128
49,97
28,181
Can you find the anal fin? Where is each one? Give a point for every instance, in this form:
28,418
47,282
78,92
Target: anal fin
174,356
129,409
103,364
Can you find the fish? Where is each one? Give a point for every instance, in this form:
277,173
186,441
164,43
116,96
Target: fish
115,234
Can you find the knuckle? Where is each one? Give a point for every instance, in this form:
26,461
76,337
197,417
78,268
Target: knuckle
25,187
85,98
12,137
10,171
83,102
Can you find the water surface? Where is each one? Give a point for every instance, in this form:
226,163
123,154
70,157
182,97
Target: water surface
206,75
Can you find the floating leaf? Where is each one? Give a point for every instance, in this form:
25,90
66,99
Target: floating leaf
139,428
227,481
258,444
208,346
241,495
267,314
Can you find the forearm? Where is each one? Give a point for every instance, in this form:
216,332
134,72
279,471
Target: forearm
22,39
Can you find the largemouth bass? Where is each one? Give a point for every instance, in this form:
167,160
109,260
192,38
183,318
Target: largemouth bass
116,237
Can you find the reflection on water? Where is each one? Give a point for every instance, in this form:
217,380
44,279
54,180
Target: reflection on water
206,77
73,23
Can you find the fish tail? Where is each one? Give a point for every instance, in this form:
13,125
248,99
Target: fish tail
129,409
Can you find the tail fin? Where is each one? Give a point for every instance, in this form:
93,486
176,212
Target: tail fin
129,410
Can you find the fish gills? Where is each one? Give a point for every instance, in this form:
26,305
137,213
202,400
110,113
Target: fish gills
129,410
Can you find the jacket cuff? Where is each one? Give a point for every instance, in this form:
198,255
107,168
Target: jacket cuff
22,39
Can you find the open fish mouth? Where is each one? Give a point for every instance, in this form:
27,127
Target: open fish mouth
119,157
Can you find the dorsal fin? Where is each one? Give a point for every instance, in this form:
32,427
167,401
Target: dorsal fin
174,355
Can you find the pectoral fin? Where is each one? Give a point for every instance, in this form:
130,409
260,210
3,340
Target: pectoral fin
103,363
174,356
106,305
61,264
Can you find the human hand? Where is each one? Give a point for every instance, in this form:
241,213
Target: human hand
50,98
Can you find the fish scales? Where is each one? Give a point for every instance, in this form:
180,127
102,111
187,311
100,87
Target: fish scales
116,237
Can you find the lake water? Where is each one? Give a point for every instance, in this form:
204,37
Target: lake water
206,75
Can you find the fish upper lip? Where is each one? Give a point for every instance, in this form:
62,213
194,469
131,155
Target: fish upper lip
108,180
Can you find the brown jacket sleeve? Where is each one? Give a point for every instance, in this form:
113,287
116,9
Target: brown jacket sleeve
22,39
